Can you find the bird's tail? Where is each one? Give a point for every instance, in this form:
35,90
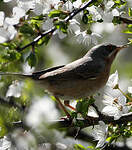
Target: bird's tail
19,75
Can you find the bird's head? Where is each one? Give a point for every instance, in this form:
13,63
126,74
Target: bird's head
105,51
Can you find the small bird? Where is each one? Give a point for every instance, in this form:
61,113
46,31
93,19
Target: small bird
78,79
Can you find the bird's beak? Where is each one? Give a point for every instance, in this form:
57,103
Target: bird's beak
114,53
121,47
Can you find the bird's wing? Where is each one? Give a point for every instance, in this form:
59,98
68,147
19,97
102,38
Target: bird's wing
36,75
89,70
80,69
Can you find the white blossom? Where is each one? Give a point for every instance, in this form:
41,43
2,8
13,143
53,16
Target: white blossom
74,26
2,16
17,14
100,134
7,32
24,140
27,69
40,110
111,101
92,112
60,34
26,4
113,80
107,14
44,6
87,39
77,3
48,24
130,89
15,89
115,12
68,6
6,1
95,14
115,103
109,4
61,146
5,143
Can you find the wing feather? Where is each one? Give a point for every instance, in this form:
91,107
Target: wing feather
80,69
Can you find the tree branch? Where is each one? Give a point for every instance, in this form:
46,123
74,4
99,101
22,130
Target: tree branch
92,121
37,39
83,123
123,20
74,13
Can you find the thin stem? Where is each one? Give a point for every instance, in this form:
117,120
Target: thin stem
37,39
125,94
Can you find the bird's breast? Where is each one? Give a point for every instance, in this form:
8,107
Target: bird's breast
76,88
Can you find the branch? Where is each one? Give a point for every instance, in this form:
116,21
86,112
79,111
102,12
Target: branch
74,13
124,20
37,39
91,121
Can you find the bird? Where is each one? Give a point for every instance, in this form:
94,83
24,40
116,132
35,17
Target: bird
79,79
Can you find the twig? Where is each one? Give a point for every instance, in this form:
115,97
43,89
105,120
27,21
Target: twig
37,39
96,108
85,123
124,20
20,124
74,13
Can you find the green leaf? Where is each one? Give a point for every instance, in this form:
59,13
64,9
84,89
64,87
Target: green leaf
130,12
116,20
82,107
79,147
3,129
95,2
130,41
10,45
90,101
128,29
44,40
61,25
26,29
55,13
119,3
36,22
32,59
73,114
91,147
11,55
58,13
89,31
85,19
90,19
37,18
